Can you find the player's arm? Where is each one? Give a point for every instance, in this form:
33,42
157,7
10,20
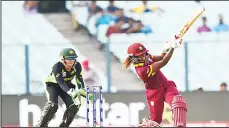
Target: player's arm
164,52
79,77
79,80
57,71
160,57
159,64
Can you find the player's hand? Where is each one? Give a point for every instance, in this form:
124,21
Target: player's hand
175,43
83,92
168,45
74,94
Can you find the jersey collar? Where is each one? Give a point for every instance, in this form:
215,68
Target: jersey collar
138,65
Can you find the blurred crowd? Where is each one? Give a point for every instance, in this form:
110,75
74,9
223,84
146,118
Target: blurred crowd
219,27
120,23
115,17
222,88
123,24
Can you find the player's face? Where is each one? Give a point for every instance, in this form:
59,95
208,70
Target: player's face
223,88
142,57
70,61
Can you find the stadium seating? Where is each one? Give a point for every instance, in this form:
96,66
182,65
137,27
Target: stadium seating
44,42
203,49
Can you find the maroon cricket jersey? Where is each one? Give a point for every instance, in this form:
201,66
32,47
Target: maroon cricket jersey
152,80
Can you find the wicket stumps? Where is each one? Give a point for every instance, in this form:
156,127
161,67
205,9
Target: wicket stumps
94,105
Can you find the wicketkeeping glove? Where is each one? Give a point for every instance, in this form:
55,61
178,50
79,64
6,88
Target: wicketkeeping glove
74,94
83,93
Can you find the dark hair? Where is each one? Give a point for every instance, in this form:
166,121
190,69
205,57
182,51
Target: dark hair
121,9
99,10
204,17
144,0
223,84
200,89
130,19
120,19
139,21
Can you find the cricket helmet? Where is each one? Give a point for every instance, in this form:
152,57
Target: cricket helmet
136,49
68,53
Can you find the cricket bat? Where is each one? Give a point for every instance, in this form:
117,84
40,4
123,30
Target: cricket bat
189,23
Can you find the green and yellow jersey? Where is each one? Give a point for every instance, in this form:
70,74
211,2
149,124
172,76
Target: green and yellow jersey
61,76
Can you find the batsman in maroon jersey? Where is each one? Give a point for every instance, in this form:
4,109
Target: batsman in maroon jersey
158,87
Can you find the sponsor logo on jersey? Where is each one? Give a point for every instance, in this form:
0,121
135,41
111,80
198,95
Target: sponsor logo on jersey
64,74
73,72
57,74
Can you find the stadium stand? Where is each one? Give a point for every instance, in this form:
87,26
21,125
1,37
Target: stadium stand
44,42
206,51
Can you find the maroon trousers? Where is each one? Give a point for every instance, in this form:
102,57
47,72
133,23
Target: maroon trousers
167,93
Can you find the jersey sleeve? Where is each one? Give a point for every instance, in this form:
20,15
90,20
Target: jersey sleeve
79,77
57,71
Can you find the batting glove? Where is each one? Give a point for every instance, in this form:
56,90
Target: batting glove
177,43
174,43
